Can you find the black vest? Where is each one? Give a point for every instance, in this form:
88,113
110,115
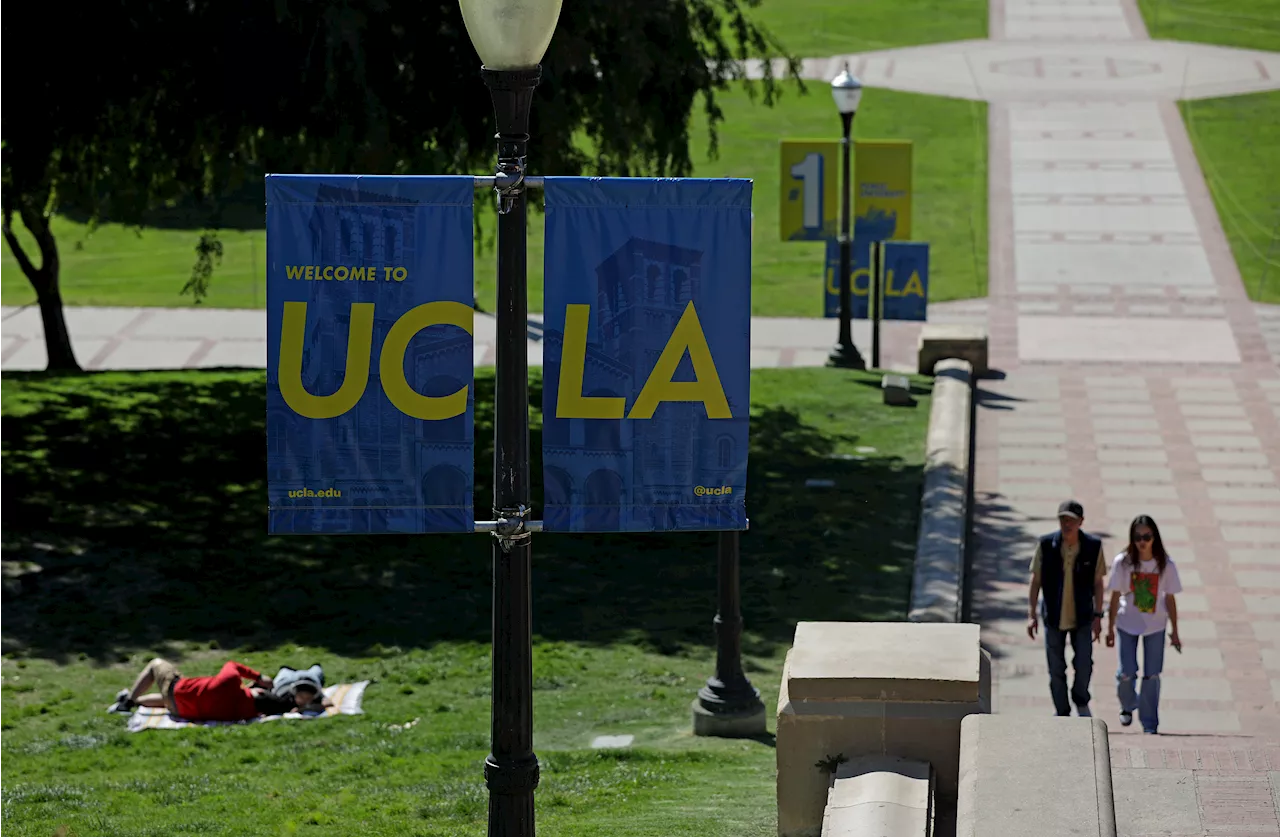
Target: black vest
1083,573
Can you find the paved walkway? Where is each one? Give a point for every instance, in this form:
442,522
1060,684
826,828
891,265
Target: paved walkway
184,338
1137,378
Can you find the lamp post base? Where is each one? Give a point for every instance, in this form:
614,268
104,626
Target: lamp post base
744,723
729,710
846,357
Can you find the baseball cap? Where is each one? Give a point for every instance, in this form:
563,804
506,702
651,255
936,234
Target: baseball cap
1070,508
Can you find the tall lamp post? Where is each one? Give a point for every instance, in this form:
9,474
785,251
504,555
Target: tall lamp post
847,91
728,706
511,36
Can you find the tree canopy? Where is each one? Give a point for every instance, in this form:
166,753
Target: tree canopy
142,104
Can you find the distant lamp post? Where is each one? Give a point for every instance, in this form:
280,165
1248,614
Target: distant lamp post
847,91
728,706
511,36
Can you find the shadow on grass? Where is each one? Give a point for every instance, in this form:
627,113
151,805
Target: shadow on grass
141,498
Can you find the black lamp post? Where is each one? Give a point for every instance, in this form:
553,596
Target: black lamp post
511,36
847,91
728,706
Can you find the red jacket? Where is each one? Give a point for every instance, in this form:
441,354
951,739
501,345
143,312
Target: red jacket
219,698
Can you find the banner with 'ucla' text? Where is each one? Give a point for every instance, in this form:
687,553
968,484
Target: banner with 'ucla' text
904,280
647,358
369,354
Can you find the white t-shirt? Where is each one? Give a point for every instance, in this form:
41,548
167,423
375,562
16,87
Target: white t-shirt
1142,594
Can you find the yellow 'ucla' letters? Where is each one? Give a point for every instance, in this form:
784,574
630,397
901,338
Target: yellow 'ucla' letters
570,402
913,287
687,336
359,345
359,351
391,363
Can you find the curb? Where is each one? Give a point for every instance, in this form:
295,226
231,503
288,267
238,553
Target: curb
937,584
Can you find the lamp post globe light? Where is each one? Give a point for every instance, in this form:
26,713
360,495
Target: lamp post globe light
511,36
847,92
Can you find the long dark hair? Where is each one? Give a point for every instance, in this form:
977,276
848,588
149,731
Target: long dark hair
1157,543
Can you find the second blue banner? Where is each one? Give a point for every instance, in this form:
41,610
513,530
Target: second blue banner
646,362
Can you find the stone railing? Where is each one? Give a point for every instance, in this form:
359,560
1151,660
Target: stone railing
880,796
1019,776
937,585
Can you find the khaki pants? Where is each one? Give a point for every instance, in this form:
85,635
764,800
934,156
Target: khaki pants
165,674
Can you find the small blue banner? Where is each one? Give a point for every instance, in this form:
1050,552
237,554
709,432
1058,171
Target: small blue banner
906,280
369,354
647,357
859,289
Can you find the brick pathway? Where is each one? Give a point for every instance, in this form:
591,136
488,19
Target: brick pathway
1139,379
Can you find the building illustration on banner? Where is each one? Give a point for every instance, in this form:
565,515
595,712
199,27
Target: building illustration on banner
621,467
388,468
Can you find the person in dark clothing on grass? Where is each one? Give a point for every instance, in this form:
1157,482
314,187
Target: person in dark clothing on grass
222,697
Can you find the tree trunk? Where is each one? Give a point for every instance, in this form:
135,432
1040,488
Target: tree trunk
57,340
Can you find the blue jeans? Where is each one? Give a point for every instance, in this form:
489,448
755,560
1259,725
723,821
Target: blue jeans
1148,703
1055,645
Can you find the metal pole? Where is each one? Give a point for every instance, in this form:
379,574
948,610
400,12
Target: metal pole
511,770
875,302
730,705
846,353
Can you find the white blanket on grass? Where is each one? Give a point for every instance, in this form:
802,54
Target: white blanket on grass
346,698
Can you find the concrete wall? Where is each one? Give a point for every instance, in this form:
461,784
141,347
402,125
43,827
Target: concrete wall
852,689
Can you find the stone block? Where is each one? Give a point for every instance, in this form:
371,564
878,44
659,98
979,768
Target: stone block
939,341
897,390
1005,790
854,689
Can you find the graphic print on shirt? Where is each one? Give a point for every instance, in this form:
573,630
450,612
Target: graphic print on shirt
1146,589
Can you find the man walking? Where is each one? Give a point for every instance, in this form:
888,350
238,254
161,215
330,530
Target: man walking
1069,570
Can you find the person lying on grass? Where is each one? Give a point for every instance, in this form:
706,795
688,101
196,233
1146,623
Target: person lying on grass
222,697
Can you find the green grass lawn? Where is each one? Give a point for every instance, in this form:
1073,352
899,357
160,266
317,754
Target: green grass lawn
1237,138
1249,24
140,498
118,266
817,28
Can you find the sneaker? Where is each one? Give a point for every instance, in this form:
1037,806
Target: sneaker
1126,718
1150,732
1083,712
122,705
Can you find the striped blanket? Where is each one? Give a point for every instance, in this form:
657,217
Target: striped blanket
346,698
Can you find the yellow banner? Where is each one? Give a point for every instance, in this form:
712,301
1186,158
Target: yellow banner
809,190
882,190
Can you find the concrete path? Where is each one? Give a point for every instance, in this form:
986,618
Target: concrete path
183,338
1138,378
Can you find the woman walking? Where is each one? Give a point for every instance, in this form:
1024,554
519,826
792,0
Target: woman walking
1144,581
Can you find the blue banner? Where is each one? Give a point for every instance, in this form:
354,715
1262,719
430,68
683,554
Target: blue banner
369,354
647,360
906,280
859,289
